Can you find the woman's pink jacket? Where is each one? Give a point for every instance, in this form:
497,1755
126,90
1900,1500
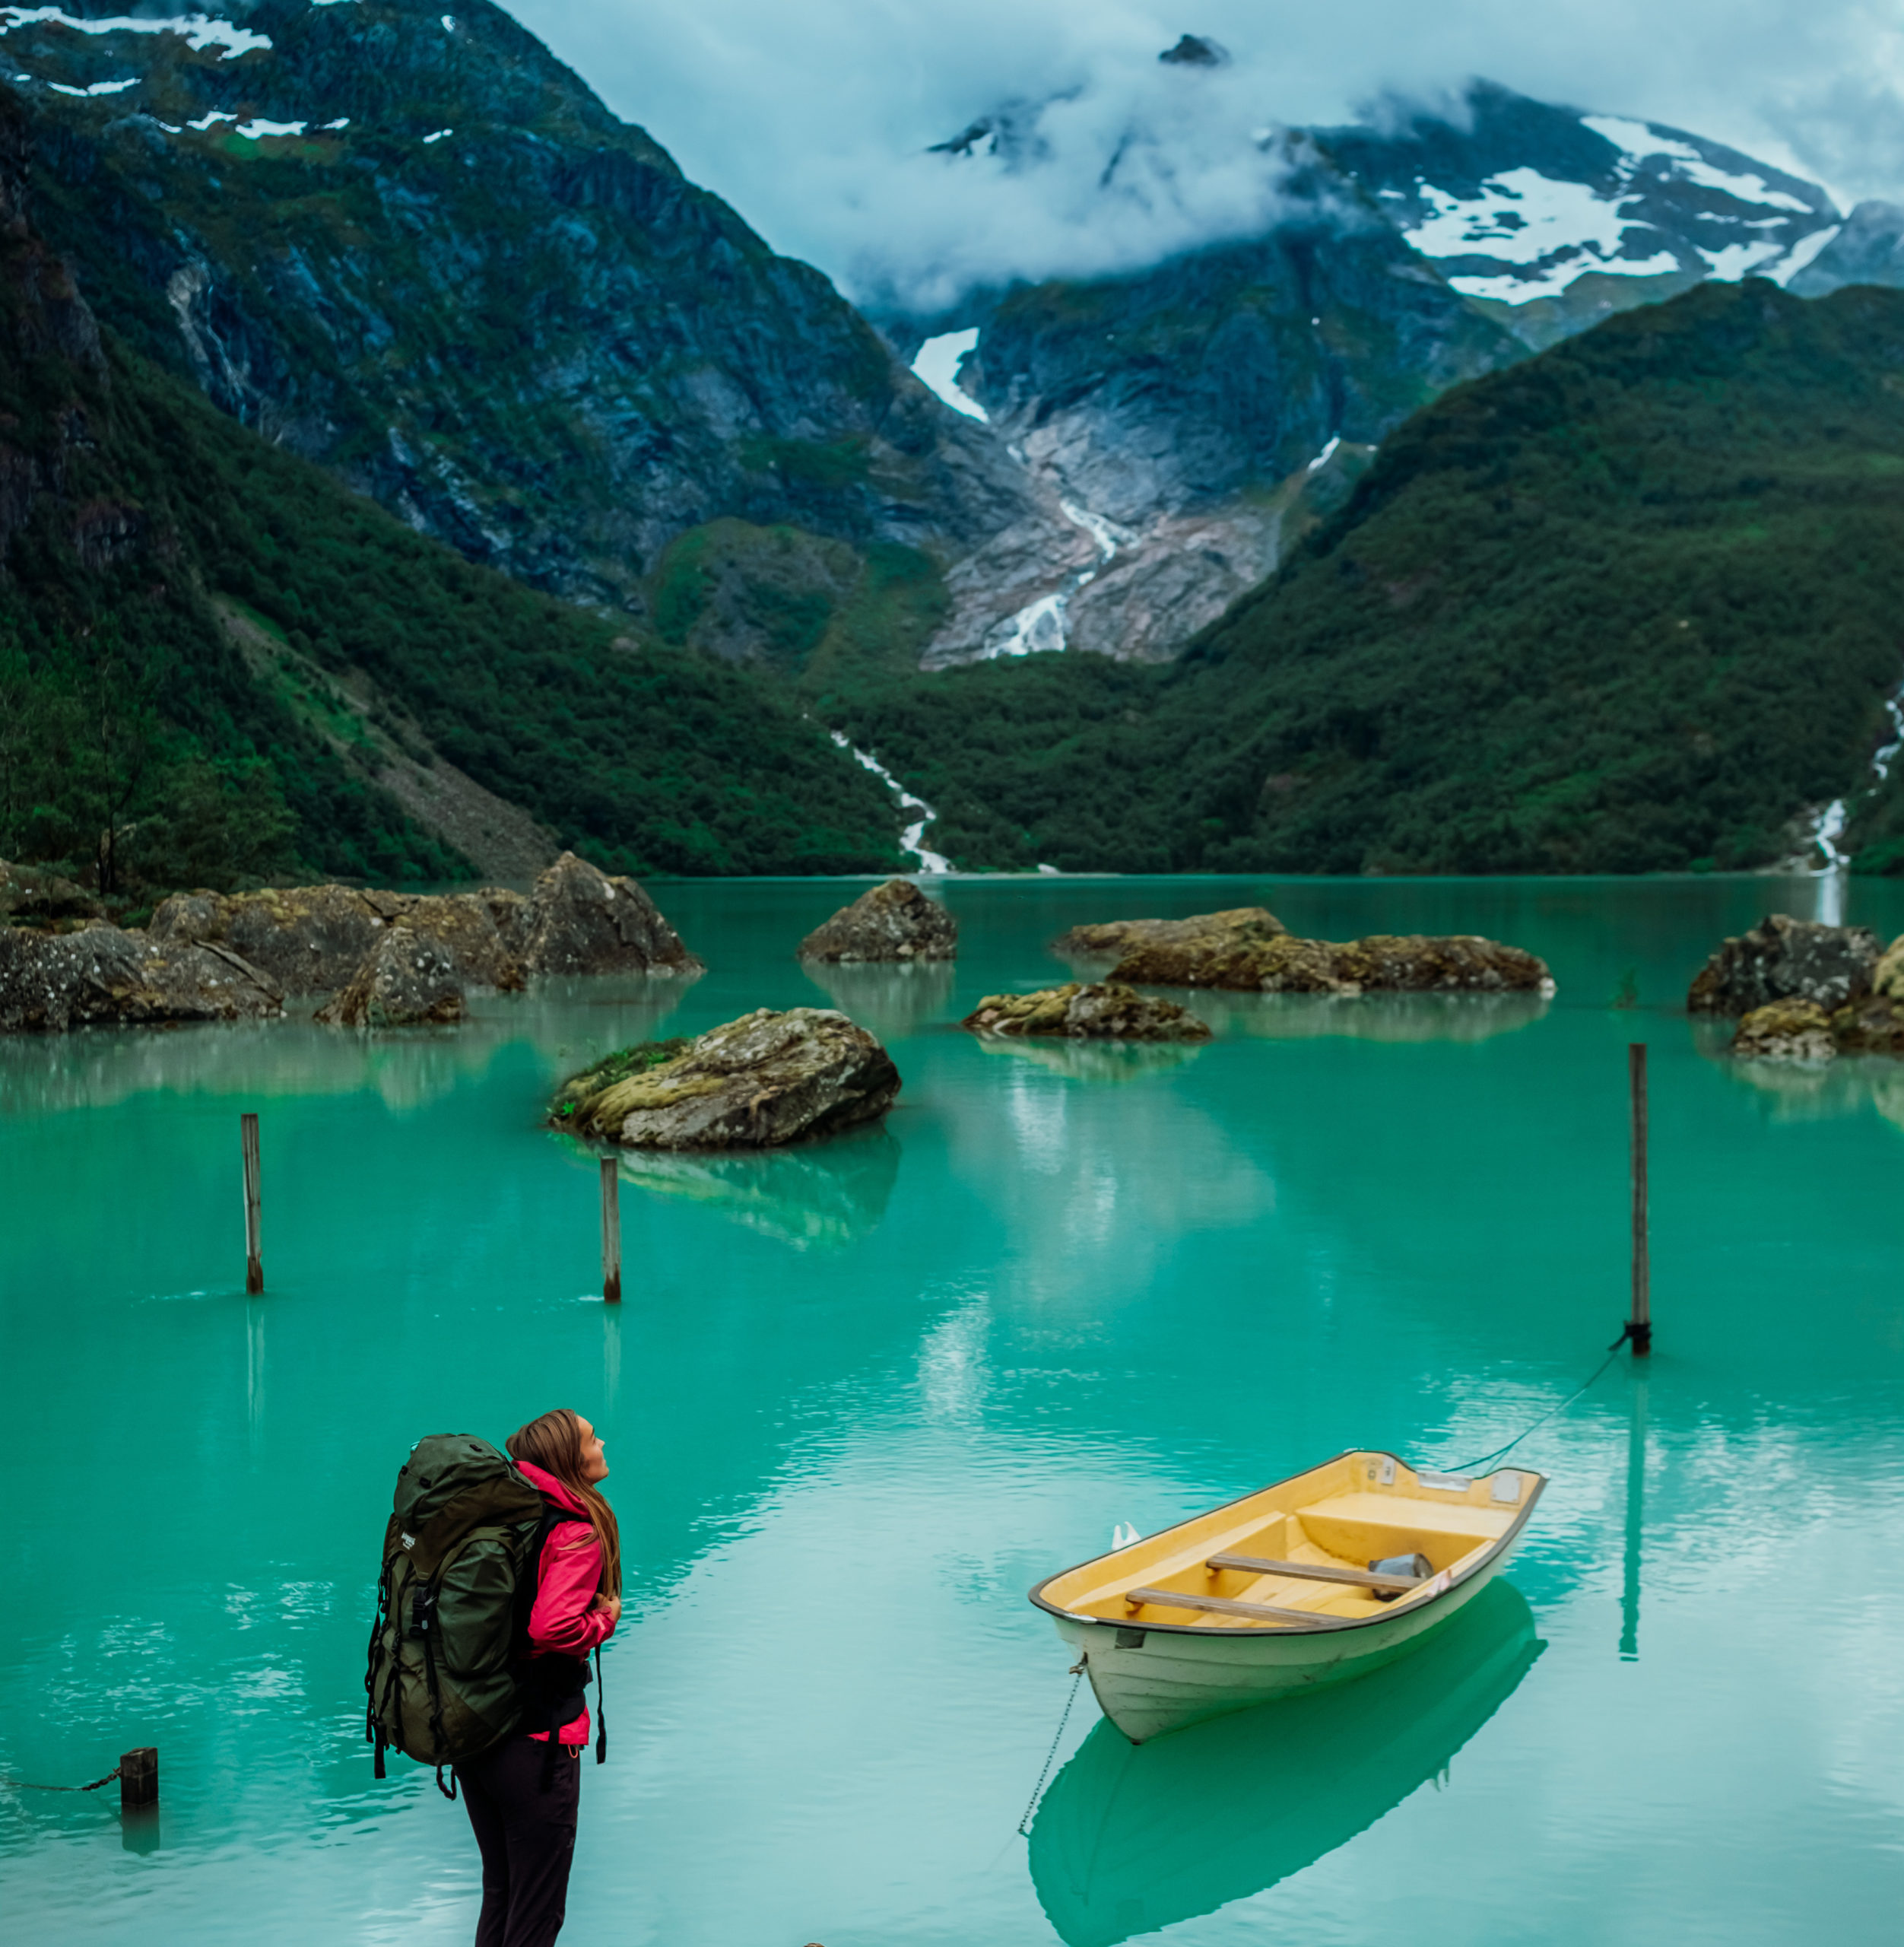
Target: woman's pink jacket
564,1622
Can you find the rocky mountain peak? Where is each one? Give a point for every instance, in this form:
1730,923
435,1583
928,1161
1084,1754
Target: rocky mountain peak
1196,50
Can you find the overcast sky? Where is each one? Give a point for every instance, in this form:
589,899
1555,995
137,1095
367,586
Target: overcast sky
810,115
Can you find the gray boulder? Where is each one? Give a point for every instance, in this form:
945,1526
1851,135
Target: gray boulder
1784,959
1102,1011
765,1079
580,921
31,897
895,921
408,979
102,976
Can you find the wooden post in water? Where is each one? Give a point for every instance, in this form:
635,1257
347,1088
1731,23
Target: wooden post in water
254,1209
139,1773
1639,1326
611,1230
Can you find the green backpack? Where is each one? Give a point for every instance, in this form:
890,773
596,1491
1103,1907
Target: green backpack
446,1678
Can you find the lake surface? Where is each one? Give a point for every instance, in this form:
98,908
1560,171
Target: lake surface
861,1396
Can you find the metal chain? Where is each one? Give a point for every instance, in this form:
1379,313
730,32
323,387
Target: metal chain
1051,1756
21,1785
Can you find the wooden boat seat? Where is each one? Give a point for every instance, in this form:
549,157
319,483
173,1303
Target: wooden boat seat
1307,1571
1172,1599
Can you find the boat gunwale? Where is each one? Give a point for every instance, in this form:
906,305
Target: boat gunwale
1323,1624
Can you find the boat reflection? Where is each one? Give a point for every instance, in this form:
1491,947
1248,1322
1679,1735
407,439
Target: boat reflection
890,1000
1131,1838
822,1194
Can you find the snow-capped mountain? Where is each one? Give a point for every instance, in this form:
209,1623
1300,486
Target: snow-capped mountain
1560,216
1198,404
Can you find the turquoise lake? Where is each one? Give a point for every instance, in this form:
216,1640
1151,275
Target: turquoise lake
860,1396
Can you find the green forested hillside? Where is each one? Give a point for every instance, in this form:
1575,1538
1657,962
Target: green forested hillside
210,652
1628,606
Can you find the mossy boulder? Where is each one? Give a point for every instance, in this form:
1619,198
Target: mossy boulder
765,1079
1786,1030
1097,1010
1240,926
1381,963
31,897
894,922
1785,959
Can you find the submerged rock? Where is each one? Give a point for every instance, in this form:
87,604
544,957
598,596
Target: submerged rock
1382,963
1787,1030
1241,926
895,921
1782,959
315,938
31,897
408,979
1102,1011
765,1079
101,976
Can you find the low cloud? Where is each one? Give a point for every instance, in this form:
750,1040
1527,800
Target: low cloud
815,121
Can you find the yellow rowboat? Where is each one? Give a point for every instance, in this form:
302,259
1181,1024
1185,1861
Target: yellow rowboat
1277,1592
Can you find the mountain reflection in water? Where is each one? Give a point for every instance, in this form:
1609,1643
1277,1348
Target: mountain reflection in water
1131,1838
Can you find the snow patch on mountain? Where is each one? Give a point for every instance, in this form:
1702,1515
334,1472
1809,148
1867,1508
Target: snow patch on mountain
199,31
937,368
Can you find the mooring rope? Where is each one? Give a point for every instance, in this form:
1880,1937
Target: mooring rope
1552,1412
1051,1756
21,1785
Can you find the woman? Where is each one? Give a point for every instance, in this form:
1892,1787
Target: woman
523,1793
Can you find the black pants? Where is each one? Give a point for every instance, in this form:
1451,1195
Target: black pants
527,1838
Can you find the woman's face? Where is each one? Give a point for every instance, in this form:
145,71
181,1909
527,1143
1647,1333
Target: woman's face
595,1464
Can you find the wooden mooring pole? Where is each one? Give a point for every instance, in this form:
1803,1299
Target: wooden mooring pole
254,1208
139,1770
1639,1326
611,1230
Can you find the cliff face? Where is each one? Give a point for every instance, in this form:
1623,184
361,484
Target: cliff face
414,247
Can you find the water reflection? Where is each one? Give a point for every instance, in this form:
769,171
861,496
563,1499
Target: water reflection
823,1193
891,1001
1365,1017
569,1022
1094,1061
1636,1522
1131,1838
1798,1092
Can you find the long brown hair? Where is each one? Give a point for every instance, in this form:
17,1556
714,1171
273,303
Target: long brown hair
553,1442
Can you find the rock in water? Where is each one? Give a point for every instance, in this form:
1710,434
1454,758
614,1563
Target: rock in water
1783,959
1103,1011
1887,976
581,921
1873,1026
102,976
765,1079
407,980
1787,1030
1382,963
895,921
314,938
1241,925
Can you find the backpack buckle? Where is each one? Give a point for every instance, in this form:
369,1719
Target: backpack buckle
423,1611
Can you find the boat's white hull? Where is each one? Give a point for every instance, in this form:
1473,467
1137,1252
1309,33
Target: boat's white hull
1174,1677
